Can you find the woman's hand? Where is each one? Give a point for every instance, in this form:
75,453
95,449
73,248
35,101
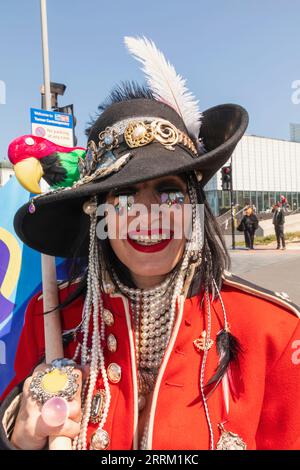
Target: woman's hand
30,431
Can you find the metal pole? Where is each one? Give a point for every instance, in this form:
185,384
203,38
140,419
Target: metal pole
52,322
46,65
232,207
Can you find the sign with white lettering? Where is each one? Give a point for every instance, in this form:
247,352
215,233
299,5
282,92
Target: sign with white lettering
51,125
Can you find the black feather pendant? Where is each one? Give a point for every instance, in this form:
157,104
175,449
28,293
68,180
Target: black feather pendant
228,348
54,172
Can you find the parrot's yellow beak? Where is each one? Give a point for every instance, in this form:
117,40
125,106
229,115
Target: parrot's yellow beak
29,172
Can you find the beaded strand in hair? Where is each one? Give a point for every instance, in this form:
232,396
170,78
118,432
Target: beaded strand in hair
93,308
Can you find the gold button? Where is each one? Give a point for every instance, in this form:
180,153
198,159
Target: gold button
100,440
108,317
112,343
114,372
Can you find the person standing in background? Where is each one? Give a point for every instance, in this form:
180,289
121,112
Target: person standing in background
250,224
278,221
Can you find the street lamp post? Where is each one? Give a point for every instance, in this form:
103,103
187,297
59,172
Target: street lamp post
52,323
232,208
46,63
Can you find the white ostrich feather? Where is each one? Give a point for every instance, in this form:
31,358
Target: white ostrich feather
165,84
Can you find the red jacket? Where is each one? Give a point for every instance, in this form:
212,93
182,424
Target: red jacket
265,409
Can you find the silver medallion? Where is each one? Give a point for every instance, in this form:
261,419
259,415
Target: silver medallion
230,441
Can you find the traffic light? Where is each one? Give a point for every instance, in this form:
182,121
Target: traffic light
226,178
55,90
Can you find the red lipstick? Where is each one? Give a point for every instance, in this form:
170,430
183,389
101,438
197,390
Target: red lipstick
150,248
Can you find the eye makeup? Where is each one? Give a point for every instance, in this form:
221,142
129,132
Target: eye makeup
170,191
124,203
172,198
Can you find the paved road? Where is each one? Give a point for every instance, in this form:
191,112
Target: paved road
273,269
292,224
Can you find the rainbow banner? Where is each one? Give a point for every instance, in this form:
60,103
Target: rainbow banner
20,277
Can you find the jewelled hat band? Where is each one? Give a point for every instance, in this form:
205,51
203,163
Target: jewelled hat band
101,160
138,133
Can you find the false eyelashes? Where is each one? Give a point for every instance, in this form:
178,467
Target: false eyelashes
170,198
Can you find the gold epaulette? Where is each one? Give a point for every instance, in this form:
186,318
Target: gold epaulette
279,298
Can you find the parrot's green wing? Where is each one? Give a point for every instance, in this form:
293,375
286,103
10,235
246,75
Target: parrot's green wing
70,163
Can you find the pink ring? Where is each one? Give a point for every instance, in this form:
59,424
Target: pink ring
55,411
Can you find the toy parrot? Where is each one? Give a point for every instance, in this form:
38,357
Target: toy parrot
34,157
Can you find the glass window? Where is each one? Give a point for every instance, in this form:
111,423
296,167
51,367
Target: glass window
294,202
260,201
212,200
224,202
239,197
272,199
277,197
247,199
266,201
234,197
226,199
219,200
253,198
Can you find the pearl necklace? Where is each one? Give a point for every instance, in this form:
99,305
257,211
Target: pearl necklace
153,323
147,377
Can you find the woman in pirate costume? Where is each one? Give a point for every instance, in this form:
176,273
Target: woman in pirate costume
176,353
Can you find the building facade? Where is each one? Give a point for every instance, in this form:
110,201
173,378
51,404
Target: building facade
263,169
295,132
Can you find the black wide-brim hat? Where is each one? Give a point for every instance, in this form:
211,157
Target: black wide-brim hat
60,227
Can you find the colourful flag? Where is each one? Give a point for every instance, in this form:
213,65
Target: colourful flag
20,277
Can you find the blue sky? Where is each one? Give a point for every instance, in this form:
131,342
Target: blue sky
241,51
